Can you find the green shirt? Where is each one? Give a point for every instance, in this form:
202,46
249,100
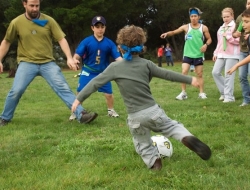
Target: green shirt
133,78
194,42
34,41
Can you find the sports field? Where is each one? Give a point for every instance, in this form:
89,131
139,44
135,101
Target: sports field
41,149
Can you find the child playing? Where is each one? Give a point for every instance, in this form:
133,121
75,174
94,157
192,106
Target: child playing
133,75
246,26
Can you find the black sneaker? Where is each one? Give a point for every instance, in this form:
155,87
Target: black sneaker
3,122
194,144
157,165
87,117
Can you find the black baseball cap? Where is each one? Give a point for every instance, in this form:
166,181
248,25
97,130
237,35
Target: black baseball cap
97,19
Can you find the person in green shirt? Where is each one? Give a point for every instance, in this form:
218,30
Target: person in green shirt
35,32
194,48
133,74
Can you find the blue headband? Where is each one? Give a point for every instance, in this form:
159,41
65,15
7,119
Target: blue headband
193,12
129,50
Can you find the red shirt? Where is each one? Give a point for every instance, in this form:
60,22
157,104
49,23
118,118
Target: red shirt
160,52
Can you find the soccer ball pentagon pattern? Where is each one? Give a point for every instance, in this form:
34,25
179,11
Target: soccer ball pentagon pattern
163,145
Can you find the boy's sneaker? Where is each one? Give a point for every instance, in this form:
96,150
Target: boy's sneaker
72,117
182,96
87,117
222,97
3,122
112,113
202,95
200,148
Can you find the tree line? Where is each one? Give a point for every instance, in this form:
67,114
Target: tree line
155,16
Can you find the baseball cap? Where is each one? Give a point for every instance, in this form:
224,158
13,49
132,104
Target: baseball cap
97,19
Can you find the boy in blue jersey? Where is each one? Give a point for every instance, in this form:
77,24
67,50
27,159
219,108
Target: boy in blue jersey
95,51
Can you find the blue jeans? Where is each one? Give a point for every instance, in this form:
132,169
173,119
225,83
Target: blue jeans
244,71
25,74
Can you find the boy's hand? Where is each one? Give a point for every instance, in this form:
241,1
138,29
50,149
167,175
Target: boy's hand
195,82
230,71
74,105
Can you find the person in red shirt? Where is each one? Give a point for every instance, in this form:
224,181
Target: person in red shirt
160,54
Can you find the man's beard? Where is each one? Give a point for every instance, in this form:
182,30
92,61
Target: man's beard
33,15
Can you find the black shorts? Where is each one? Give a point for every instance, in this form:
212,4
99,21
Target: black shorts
193,61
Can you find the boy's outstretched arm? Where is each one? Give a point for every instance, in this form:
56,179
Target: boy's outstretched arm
242,62
195,82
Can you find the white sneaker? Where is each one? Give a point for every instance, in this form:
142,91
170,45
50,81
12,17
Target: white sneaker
202,95
244,104
227,101
221,97
72,117
112,113
182,96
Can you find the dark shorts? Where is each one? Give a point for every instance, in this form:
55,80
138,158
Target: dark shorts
86,77
193,61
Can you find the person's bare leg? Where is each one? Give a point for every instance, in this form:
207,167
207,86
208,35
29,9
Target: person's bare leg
110,104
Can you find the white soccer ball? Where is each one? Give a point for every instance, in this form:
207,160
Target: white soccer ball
163,145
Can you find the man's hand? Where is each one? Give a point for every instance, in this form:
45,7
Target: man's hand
72,64
203,48
164,35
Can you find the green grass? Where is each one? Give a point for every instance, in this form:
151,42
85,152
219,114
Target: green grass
41,149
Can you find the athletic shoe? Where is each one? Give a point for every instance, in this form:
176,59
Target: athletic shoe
228,101
244,104
112,113
182,96
72,117
202,95
3,122
221,97
157,165
200,148
192,68
87,117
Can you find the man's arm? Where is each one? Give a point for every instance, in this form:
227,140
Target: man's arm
208,38
174,32
65,48
4,48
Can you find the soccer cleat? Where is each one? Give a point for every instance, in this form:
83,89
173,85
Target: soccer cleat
3,122
112,113
157,165
72,117
200,148
182,96
87,117
221,97
202,96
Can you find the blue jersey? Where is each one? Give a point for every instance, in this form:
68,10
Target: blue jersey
96,53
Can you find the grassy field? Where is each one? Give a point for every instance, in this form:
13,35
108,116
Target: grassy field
41,149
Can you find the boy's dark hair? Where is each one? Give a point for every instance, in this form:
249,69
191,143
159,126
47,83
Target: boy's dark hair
27,0
246,13
131,36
